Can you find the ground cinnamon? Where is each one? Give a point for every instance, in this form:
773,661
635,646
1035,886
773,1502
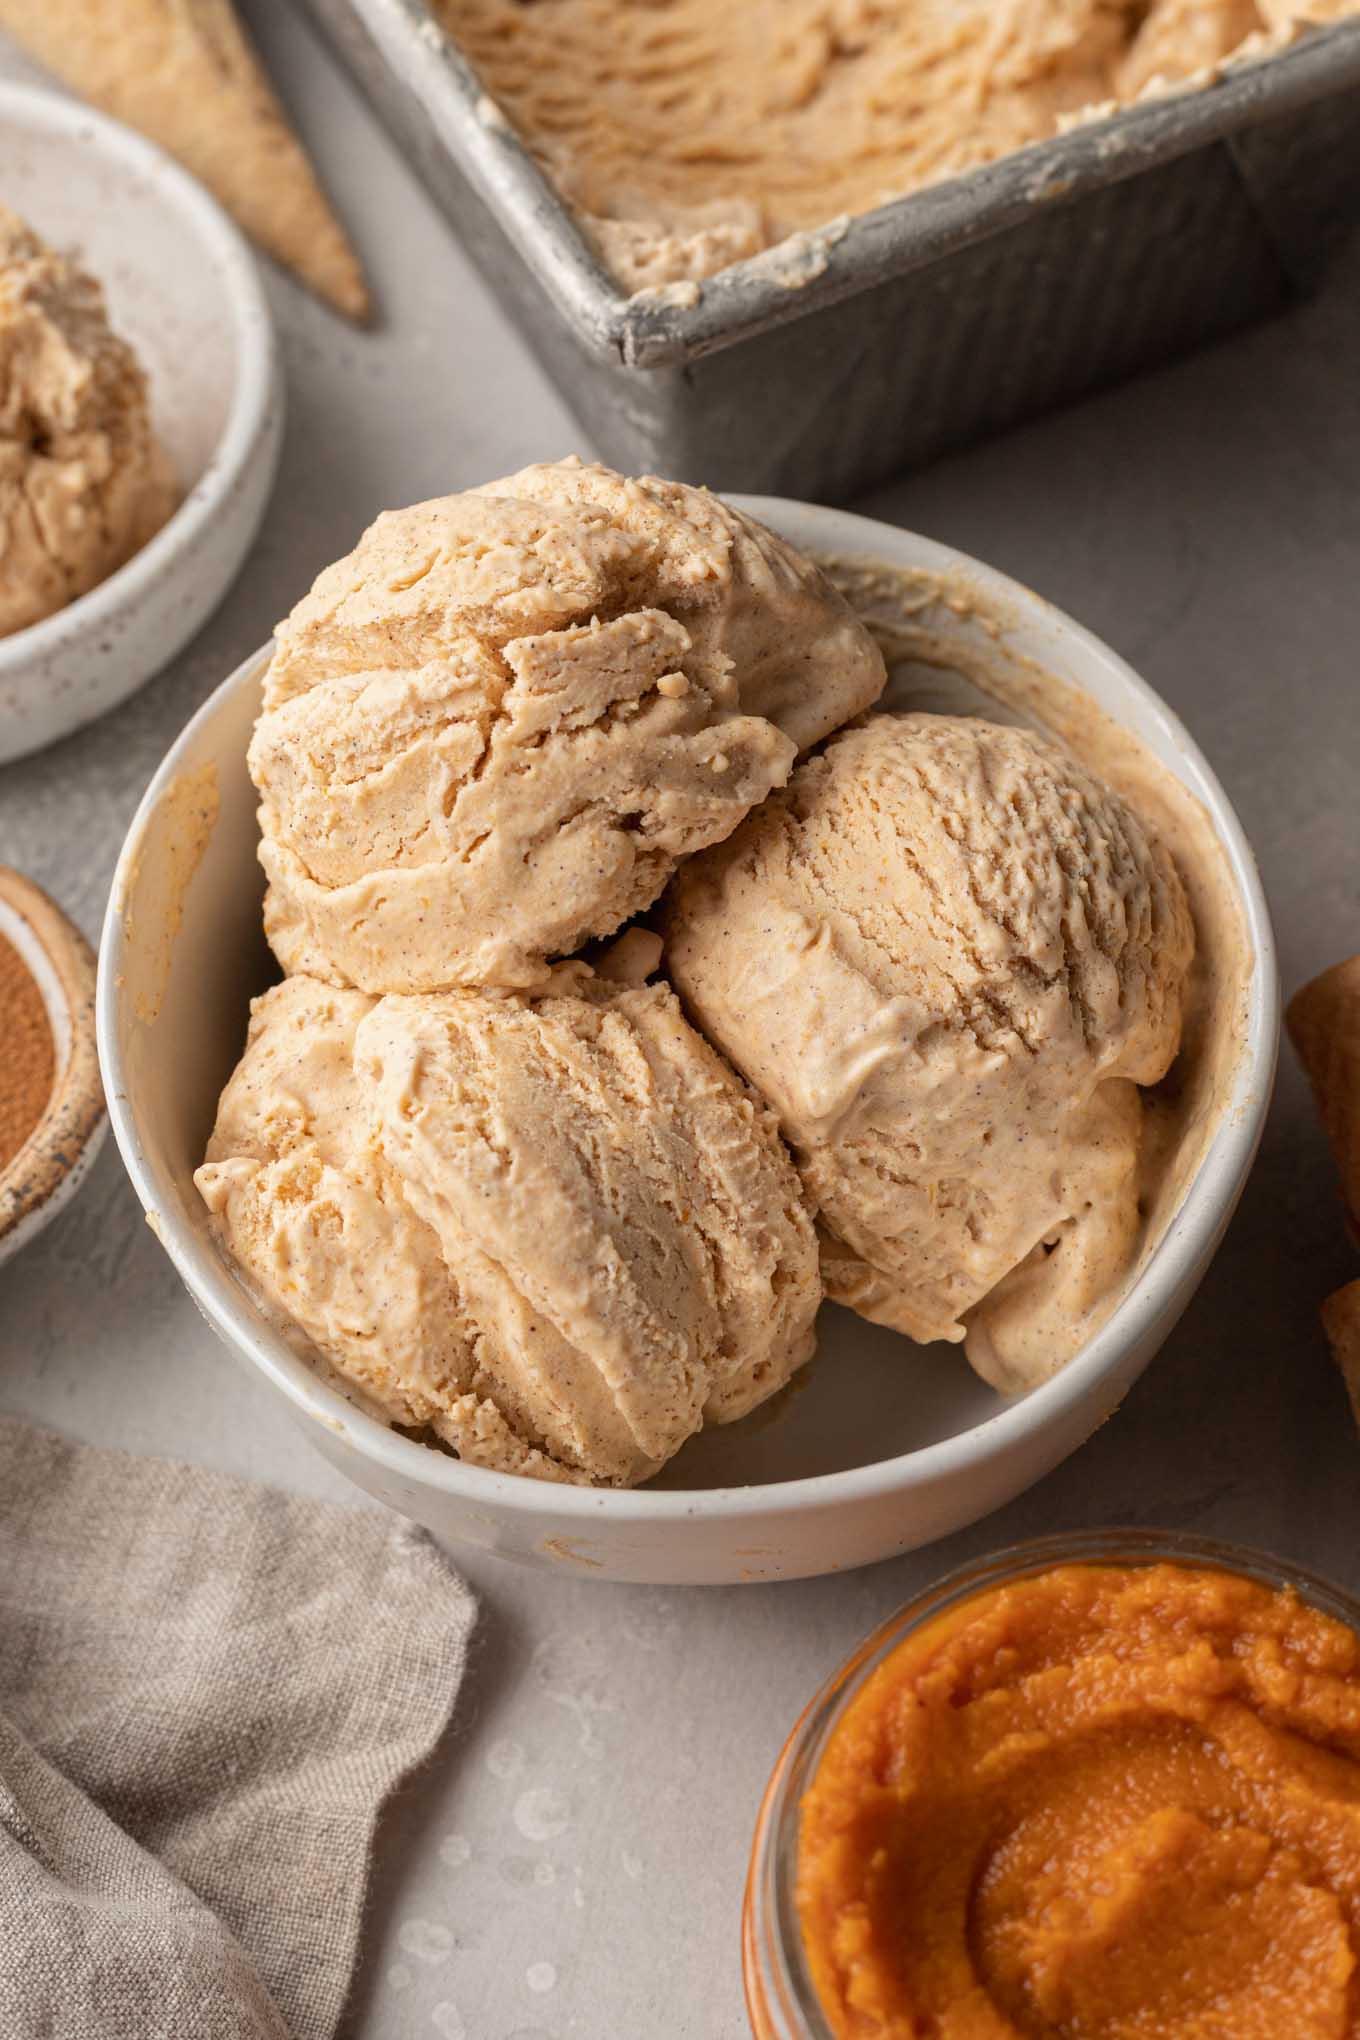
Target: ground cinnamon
28,1057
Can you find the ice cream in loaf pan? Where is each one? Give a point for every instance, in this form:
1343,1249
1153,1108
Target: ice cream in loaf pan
689,135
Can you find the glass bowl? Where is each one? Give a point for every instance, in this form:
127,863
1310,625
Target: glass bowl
781,1998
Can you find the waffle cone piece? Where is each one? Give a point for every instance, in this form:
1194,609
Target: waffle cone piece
185,73
1324,1025
1341,1322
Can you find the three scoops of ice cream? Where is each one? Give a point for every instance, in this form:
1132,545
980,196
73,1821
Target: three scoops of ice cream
525,1199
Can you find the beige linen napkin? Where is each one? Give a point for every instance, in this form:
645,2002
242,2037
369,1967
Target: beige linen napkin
207,1691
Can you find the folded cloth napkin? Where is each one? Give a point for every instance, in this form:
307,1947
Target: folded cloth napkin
207,1691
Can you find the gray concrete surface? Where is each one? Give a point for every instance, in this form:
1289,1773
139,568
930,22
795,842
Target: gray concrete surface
572,1862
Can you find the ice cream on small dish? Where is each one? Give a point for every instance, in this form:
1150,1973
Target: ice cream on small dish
556,1230
949,956
83,481
491,732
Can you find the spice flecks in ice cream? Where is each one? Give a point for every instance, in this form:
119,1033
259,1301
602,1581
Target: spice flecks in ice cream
558,1231
491,732
948,956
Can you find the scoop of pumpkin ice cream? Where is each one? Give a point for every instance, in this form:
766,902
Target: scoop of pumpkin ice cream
948,955
306,1203
490,732
83,482
558,1229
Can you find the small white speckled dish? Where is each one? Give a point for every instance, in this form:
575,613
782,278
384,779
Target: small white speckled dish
55,1159
183,288
880,1445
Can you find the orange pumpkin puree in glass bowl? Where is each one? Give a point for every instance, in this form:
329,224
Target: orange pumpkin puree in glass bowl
1094,1800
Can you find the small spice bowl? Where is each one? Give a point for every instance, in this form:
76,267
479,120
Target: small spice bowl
969,1643
46,952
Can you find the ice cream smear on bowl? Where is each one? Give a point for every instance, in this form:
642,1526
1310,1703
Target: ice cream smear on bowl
84,482
958,1008
948,956
491,732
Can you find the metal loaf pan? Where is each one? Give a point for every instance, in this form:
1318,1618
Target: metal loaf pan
934,320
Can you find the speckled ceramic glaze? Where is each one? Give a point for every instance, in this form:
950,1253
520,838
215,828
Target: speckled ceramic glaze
881,1446
183,288
52,1163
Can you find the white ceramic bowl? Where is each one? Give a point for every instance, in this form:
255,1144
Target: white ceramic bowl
881,1447
183,288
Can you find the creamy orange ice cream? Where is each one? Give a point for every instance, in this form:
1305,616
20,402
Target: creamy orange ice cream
491,732
557,1230
948,956
690,133
83,482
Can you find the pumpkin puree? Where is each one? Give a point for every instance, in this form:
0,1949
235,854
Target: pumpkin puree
1102,1802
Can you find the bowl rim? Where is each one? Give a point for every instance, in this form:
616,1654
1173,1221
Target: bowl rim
1188,1240
253,389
